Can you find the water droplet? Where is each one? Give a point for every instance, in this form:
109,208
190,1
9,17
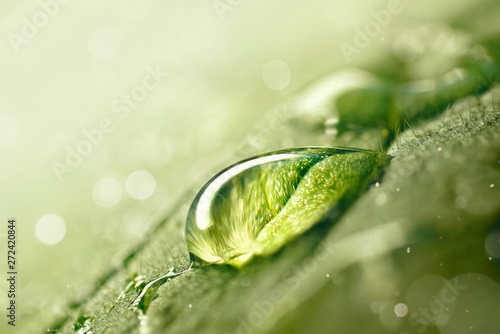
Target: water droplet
148,293
254,207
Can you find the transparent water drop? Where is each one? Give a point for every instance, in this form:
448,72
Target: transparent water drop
254,207
147,294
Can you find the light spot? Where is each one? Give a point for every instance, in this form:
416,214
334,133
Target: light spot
492,185
104,43
377,184
140,185
190,305
408,250
439,149
107,192
50,229
276,75
331,126
401,310
9,130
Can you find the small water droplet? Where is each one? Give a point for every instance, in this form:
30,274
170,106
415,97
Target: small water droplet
254,207
146,296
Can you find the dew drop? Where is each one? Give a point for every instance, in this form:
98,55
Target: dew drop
254,207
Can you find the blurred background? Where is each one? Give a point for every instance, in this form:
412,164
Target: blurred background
110,110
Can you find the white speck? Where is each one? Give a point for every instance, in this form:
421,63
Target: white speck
276,75
492,185
328,275
397,189
9,130
439,149
382,38
140,185
190,305
408,249
377,184
107,192
104,43
50,229
490,258
400,310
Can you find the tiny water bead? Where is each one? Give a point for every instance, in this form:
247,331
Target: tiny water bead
254,207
